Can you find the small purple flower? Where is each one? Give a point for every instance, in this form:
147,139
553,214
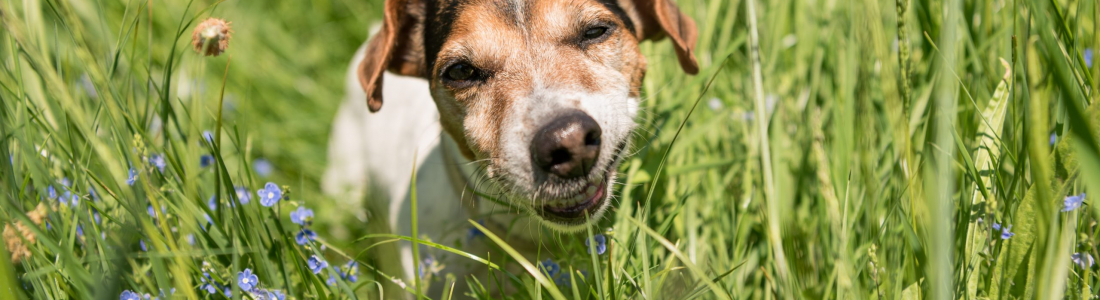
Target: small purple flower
1083,260
1053,138
209,288
142,244
263,167
243,194
206,160
228,292
208,283
350,271
95,216
1006,233
72,198
129,295
51,192
316,264
133,177
331,281
996,226
549,267
158,161
208,136
79,231
601,244
152,213
270,194
1073,202
304,236
302,216
246,280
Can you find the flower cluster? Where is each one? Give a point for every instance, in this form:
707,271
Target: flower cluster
554,271
1006,232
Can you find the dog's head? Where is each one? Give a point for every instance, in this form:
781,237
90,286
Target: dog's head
542,93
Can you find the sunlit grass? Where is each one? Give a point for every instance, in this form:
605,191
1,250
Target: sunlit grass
815,156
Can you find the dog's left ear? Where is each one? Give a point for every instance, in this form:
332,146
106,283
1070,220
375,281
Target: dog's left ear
655,19
397,47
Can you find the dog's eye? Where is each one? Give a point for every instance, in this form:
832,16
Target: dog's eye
459,72
594,32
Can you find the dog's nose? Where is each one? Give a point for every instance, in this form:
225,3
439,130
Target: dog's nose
568,146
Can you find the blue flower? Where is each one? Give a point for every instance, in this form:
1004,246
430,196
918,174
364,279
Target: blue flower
316,264
246,280
228,292
426,267
304,236
1053,138
158,161
212,203
549,267
996,226
271,295
1073,202
133,176
129,295
270,194
206,160
209,288
243,195
152,213
1088,57
350,271
473,232
1083,260
208,136
601,244
51,192
207,282
79,231
302,216
190,239
1006,233
263,167
95,216
72,198
142,243
331,281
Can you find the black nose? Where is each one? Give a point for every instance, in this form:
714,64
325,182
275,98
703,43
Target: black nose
568,146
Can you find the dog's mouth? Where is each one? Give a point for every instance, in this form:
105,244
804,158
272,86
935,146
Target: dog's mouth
577,206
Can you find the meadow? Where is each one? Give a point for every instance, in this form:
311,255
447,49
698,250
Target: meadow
858,149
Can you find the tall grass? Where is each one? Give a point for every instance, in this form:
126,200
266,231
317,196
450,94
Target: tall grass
816,156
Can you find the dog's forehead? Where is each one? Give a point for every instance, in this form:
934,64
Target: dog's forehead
491,23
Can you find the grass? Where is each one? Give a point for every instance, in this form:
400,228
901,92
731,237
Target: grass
815,156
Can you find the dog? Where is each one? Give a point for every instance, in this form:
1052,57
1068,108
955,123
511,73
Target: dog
537,100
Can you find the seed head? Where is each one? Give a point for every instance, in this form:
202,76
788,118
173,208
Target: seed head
211,37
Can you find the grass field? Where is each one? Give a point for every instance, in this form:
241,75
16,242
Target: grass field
864,150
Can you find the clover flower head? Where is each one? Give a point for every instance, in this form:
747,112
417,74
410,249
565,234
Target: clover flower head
302,216
270,194
243,195
263,167
601,244
1073,202
304,236
1083,260
211,37
246,280
129,295
132,177
206,160
316,264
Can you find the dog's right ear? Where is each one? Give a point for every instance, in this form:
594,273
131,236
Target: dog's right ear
398,47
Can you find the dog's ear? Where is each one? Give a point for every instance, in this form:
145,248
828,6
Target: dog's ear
397,47
655,19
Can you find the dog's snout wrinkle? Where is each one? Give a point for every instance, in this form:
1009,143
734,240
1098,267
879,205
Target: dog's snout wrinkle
568,146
